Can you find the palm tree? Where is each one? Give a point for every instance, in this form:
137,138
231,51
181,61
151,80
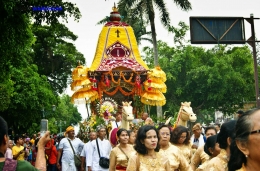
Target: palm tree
145,9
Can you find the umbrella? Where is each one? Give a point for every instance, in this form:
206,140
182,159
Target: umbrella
156,86
153,98
157,74
78,84
80,73
83,96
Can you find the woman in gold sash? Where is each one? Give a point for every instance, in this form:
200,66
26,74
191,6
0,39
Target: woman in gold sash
244,150
176,159
147,157
120,154
132,137
211,148
224,139
181,139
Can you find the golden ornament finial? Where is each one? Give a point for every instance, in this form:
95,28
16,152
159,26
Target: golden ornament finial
114,8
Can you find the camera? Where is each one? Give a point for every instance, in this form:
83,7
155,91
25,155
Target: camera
44,126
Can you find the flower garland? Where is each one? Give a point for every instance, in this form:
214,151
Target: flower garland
121,75
120,89
107,107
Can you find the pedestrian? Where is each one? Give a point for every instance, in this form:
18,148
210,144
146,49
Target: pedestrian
224,139
65,148
101,147
19,151
83,155
147,148
20,165
244,150
120,154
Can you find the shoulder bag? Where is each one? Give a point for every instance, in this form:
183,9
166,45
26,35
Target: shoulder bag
77,159
103,161
10,164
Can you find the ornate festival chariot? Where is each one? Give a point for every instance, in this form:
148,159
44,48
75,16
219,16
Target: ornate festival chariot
117,74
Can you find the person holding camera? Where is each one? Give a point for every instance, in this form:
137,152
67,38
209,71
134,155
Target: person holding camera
98,152
19,151
20,165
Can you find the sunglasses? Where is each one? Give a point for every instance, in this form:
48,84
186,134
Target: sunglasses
254,132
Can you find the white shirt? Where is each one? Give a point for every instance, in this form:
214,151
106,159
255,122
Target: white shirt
8,153
116,124
68,155
200,141
85,149
93,156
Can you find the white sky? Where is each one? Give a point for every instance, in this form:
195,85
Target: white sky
94,10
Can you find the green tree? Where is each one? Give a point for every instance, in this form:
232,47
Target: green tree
55,55
219,78
67,111
146,8
16,36
24,92
31,92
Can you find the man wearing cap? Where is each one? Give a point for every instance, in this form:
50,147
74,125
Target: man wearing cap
197,138
67,160
104,146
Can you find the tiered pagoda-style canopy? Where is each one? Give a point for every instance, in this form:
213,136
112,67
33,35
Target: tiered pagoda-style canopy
117,70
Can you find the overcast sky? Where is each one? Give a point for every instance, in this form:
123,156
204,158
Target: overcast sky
94,10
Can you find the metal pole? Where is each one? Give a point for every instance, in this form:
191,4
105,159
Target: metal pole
60,126
43,116
255,60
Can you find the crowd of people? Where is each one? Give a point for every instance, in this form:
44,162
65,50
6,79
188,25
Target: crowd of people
232,146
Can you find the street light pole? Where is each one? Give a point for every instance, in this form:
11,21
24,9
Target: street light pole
43,113
59,124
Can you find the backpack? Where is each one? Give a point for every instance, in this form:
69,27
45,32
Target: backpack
10,165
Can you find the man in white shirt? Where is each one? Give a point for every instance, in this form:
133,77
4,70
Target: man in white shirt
92,152
117,122
92,136
67,160
197,139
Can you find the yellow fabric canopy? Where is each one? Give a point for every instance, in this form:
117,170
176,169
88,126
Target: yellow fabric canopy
82,97
153,98
80,73
117,47
156,87
78,84
157,74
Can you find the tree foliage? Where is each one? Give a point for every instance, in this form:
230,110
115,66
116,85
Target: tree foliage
59,117
146,8
220,78
24,88
55,55
31,92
